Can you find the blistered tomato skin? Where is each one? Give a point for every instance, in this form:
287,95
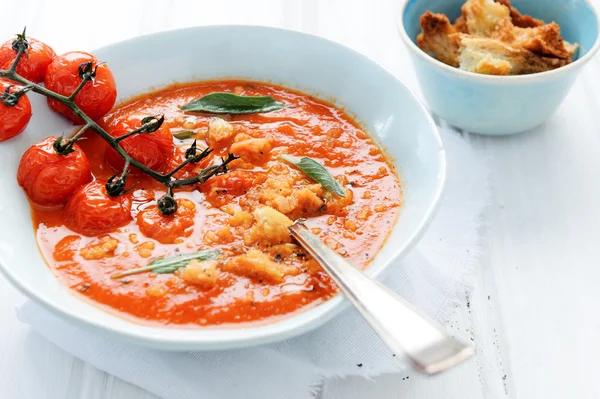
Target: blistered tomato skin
95,99
50,179
91,212
32,66
15,118
153,150
167,229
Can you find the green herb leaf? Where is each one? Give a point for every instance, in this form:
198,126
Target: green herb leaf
170,264
228,103
184,134
317,172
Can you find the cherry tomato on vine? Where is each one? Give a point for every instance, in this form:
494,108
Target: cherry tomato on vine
191,169
33,65
50,179
95,99
13,118
91,211
167,229
153,150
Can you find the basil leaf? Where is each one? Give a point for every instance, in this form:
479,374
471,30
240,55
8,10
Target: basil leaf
228,103
170,264
317,172
183,134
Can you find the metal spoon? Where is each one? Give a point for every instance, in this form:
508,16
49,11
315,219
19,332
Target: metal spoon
403,328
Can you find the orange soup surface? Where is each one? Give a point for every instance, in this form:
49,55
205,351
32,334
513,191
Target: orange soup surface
261,273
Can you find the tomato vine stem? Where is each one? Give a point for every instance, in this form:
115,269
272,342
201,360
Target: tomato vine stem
167,204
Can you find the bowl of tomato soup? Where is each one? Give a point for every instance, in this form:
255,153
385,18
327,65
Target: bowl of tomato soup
221,270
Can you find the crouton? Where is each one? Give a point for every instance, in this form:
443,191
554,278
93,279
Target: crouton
271,228
257,265
484,55
157,290
461,25
241,219
520,20
203,274
483,16
225,235
302,202
219,132
439,38
336,204
543,40
102,247
491,37
250,149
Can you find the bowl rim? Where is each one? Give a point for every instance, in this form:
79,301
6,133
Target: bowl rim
294,324
494,78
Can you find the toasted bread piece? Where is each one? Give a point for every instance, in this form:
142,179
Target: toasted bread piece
572,49
472,60
482,17
492,56
519,20
498,20
439,38
543,40
461,25
491,37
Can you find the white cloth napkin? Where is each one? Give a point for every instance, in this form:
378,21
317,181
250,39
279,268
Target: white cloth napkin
430,277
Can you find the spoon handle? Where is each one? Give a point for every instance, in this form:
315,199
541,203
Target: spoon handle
400,326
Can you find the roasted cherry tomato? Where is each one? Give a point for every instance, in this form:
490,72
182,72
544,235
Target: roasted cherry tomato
50,179
32,66
167,229
91,212
95,99
191,169
13,118
153,150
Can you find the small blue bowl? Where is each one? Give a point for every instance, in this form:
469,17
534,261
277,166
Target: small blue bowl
499,105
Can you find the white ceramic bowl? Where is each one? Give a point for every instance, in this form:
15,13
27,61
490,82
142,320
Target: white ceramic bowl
388,109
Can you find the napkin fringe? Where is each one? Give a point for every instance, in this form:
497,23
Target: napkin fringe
316,387
464,285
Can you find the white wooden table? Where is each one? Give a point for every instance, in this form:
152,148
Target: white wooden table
534,314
